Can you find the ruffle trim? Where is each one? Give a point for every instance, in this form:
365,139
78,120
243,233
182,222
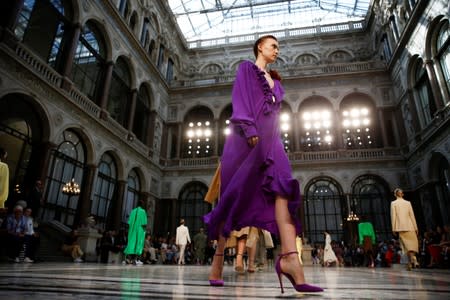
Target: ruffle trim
271,103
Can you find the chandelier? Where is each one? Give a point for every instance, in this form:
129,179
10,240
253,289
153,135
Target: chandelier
71,188
352,216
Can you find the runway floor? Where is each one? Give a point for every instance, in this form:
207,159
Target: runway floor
111,281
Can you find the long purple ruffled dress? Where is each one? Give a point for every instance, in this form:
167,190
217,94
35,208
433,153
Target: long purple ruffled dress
251,178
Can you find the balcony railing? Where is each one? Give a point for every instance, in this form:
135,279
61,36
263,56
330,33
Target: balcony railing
372,155
298,32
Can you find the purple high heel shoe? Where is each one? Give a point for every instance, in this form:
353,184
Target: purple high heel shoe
303,288
216,282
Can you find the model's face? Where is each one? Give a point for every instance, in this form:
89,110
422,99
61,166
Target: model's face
269,49
400,194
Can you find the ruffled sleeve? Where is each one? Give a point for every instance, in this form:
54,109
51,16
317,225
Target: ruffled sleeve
243,110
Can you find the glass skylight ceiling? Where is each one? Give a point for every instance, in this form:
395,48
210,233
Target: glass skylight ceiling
208,19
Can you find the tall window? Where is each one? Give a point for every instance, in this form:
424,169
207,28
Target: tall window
358,115
224,126
132,196
144,33
317,125
371,200
323,201
443,54
67,163
198,138
386,48
89,61
286,128
169,73
119,95
104,189
424,94
42,25
161,57
142,115
192,206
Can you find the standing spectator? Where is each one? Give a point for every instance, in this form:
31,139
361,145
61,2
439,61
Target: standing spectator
136,233
200,242
182,239
4,178
35,198
404,223
367,239
16,227
328,255
31,237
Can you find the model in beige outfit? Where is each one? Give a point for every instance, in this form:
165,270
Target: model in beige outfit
404,223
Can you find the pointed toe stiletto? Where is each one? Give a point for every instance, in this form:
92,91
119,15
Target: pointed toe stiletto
216,282
303,288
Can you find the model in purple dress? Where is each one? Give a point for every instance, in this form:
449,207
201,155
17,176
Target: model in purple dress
257,188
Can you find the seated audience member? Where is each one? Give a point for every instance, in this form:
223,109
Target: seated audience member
16,228
149,255
72,247
31,237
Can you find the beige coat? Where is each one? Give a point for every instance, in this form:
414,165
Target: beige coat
402,216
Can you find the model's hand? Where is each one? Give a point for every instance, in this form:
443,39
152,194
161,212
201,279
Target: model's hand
252,141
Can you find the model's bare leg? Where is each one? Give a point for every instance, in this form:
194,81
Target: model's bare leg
217,263
251,251
289,264
240,249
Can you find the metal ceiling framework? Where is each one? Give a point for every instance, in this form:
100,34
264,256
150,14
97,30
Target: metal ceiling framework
204,19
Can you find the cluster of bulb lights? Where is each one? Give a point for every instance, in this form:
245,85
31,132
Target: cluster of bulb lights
356,121
317,123
198,133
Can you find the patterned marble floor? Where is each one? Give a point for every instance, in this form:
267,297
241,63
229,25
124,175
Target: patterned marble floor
101,281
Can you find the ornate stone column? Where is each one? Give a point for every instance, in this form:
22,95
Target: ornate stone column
131,113
296,130
103,101
216,134
69,54
338,131
437,96
180,138
117,204
382,127
84,200
413,110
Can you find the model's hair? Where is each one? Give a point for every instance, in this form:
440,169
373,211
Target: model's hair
259,41
2,153
396,191
274,74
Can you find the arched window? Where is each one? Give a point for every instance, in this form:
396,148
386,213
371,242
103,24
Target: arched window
142,115
437,209
43,26
124,8
67,162
132,196
169,72
443,54
119,94
371,199
317,129
192,206
198,133
133,21
424,94
323,202
144,32
359,130
89,61
224,123
286,127
104,189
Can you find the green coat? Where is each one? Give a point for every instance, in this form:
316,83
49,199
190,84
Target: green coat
136,231
366,229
